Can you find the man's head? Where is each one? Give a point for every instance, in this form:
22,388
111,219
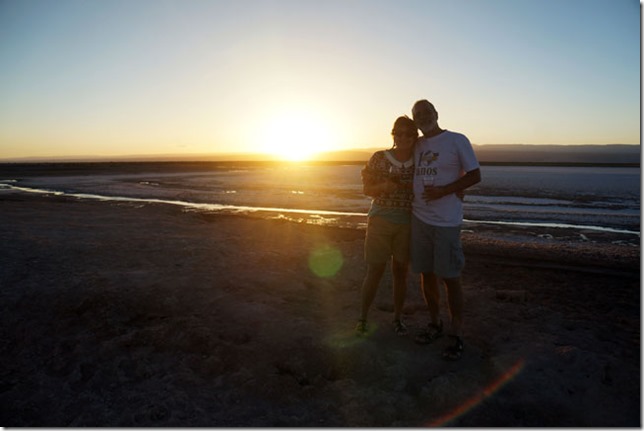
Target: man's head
425,116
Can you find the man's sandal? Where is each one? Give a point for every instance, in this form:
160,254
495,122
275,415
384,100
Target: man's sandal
455,351
400,328
432,333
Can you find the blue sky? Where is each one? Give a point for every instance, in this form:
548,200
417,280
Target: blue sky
158,76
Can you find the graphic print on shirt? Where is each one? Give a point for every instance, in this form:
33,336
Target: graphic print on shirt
424,163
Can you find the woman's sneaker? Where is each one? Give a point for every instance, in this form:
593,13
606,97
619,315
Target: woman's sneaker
361,328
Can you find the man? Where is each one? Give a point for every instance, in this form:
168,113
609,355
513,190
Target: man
445,164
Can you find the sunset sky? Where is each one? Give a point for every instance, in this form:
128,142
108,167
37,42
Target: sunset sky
120,77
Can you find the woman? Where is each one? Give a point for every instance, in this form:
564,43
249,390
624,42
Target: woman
388,179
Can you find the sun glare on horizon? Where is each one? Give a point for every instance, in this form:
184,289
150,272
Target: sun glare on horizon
296,135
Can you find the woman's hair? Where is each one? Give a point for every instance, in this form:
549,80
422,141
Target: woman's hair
404,122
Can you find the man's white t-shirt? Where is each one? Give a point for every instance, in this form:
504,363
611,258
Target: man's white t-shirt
445,157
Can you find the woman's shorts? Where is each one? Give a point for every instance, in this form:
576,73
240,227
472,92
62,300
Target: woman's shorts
436,249
385,239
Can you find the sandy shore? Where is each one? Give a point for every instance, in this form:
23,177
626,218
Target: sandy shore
125,315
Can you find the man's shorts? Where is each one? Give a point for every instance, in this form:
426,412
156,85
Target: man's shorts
385,239
436,249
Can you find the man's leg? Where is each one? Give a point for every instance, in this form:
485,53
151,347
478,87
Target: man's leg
431,293
455,303
429,283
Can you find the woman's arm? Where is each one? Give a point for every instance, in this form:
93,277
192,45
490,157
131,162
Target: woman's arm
374,187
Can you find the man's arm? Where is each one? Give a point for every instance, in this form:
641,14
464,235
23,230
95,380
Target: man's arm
468,180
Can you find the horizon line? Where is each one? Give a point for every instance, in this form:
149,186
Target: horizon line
259,156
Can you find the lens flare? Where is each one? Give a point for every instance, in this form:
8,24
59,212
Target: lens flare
481,396
325,261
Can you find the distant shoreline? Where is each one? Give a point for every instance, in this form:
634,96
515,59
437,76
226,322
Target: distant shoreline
6,167
611,155
565,164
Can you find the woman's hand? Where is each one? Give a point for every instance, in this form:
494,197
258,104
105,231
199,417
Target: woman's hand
376,188
390,186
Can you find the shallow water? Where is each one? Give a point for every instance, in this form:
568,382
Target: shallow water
597,198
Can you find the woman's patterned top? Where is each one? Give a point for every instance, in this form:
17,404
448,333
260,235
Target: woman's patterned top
383,165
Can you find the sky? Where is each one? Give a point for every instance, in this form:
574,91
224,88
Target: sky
140,77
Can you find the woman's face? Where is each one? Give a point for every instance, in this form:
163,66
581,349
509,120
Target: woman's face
405,137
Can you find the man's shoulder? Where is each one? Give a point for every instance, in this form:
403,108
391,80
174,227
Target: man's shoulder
456,140
460,137
445,135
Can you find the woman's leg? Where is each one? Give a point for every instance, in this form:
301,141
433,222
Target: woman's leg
400,271
370,286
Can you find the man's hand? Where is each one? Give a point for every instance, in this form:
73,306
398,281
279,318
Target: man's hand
458,187
437,192
433,193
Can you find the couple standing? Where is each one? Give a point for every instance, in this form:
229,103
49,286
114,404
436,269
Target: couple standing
416,212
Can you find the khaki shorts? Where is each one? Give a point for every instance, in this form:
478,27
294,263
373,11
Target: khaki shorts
436,249
386,239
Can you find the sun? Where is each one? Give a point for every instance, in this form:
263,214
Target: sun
295,135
